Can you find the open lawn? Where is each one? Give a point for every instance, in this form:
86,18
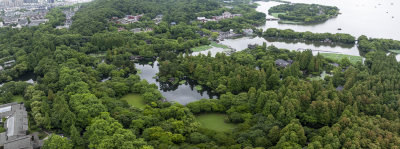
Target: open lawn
201,48
214,44
198,87
338,57
134,100
214,122
289,22
276,14
18,98
207,47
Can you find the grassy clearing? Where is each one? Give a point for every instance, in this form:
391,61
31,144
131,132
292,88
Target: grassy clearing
134,100
208,47
214,122
395,51
2,129
198,87
18,98
276,15
289,22
201,48
182,82
338,57
214,44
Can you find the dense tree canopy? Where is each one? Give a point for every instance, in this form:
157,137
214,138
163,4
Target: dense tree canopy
309,36
307,13
366,44
81,74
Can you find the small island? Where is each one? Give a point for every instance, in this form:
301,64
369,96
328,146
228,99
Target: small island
303,13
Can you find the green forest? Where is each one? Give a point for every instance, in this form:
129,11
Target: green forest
309,36
303,13
259,104
366,44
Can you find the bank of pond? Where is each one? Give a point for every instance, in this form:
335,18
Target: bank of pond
212,121
338,43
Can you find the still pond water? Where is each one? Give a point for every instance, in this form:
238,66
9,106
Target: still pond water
182,94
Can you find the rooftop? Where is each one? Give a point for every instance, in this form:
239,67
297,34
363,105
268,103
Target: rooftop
16,125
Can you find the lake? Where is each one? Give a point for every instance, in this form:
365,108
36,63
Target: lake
359,17
373,18
182,94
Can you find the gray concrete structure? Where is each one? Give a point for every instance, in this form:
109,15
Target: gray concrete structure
16,125
282,63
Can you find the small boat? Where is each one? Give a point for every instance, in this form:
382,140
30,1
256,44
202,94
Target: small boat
339,29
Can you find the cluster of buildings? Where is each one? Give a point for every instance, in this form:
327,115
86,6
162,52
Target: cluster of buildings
20,13
139,30
128,19
283,63
158,19
15,120
68,15
23,16
14,3
225,15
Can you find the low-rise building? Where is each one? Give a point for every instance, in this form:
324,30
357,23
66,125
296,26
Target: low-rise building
225,15
158,19
282,63
248,31
128,19
16,125
139,30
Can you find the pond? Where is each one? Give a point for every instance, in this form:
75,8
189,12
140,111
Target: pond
183,94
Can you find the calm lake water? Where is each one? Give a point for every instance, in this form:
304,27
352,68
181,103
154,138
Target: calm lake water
182,94
373,18
241,43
